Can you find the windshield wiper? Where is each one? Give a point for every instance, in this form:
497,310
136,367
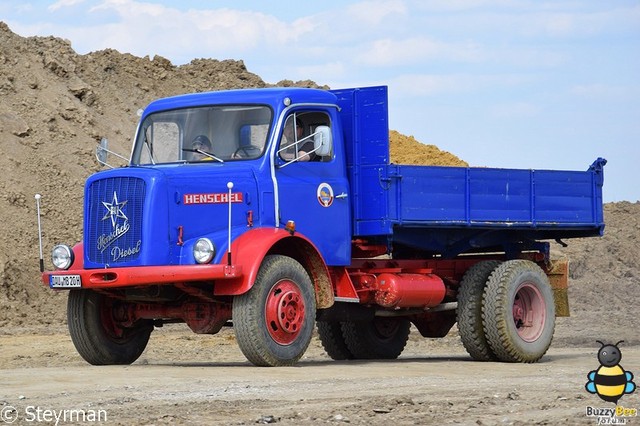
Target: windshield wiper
208,154
148,145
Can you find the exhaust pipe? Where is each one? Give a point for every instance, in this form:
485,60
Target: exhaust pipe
38,196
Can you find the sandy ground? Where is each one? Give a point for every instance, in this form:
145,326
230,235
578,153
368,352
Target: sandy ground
183,378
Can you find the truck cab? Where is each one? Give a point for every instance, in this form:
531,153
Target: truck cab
180,193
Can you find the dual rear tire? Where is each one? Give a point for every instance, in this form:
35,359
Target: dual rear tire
506,311
380,338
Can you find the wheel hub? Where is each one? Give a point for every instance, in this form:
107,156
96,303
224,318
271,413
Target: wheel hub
529,312
285,312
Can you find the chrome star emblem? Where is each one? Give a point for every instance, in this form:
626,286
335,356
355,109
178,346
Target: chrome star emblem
114,210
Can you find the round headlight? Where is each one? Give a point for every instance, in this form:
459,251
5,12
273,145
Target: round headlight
62,256
203,250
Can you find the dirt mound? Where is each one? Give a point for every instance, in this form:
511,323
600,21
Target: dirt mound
55,105
407,150
604,280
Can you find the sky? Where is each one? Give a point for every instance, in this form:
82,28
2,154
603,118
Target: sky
500,83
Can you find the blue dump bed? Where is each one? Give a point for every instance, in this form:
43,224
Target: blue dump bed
451,210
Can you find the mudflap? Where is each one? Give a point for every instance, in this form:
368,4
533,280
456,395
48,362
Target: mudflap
558,273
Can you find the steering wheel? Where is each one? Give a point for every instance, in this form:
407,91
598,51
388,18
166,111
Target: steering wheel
247,151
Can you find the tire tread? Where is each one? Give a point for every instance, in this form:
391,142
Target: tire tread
469,312
332,339
362,340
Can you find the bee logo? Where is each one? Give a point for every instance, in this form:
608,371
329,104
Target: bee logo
610,381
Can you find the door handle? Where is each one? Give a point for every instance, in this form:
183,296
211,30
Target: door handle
343,195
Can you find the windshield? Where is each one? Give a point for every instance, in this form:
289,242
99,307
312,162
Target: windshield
211,133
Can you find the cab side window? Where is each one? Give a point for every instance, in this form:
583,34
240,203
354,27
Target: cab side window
299,141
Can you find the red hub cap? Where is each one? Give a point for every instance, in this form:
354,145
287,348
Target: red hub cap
284,312
529,312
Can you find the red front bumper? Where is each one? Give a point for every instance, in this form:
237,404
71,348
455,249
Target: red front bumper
148,275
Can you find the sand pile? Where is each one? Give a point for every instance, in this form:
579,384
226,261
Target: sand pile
407,150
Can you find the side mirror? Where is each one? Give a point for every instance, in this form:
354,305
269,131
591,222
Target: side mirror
323,141
102,151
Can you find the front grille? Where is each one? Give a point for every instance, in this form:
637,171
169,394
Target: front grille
114,208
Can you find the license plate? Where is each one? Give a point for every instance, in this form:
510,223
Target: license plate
65,281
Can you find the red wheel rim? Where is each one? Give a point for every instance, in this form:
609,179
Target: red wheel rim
284,312
529,312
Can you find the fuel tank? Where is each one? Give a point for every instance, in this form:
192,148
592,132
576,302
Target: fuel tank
409,290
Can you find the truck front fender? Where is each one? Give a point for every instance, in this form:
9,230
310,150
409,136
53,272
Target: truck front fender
249,249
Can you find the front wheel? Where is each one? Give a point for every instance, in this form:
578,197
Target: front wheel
274,320
518,313
98,337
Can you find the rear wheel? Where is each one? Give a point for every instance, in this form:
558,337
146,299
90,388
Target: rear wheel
469,312
382,338
518,312
98,337
274,320
330,333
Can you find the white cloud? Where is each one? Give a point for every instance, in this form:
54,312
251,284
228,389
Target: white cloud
63,3
467,5
23,8
150,28
599,91
391,52
583,23
533,20
373,12
135,9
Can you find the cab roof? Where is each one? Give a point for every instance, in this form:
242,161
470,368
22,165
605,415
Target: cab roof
273,97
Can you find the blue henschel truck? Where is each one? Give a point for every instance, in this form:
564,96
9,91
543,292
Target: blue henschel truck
274,210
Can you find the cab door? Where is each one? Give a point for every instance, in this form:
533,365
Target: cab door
313,190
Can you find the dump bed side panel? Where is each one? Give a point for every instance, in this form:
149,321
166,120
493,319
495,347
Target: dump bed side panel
483,197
